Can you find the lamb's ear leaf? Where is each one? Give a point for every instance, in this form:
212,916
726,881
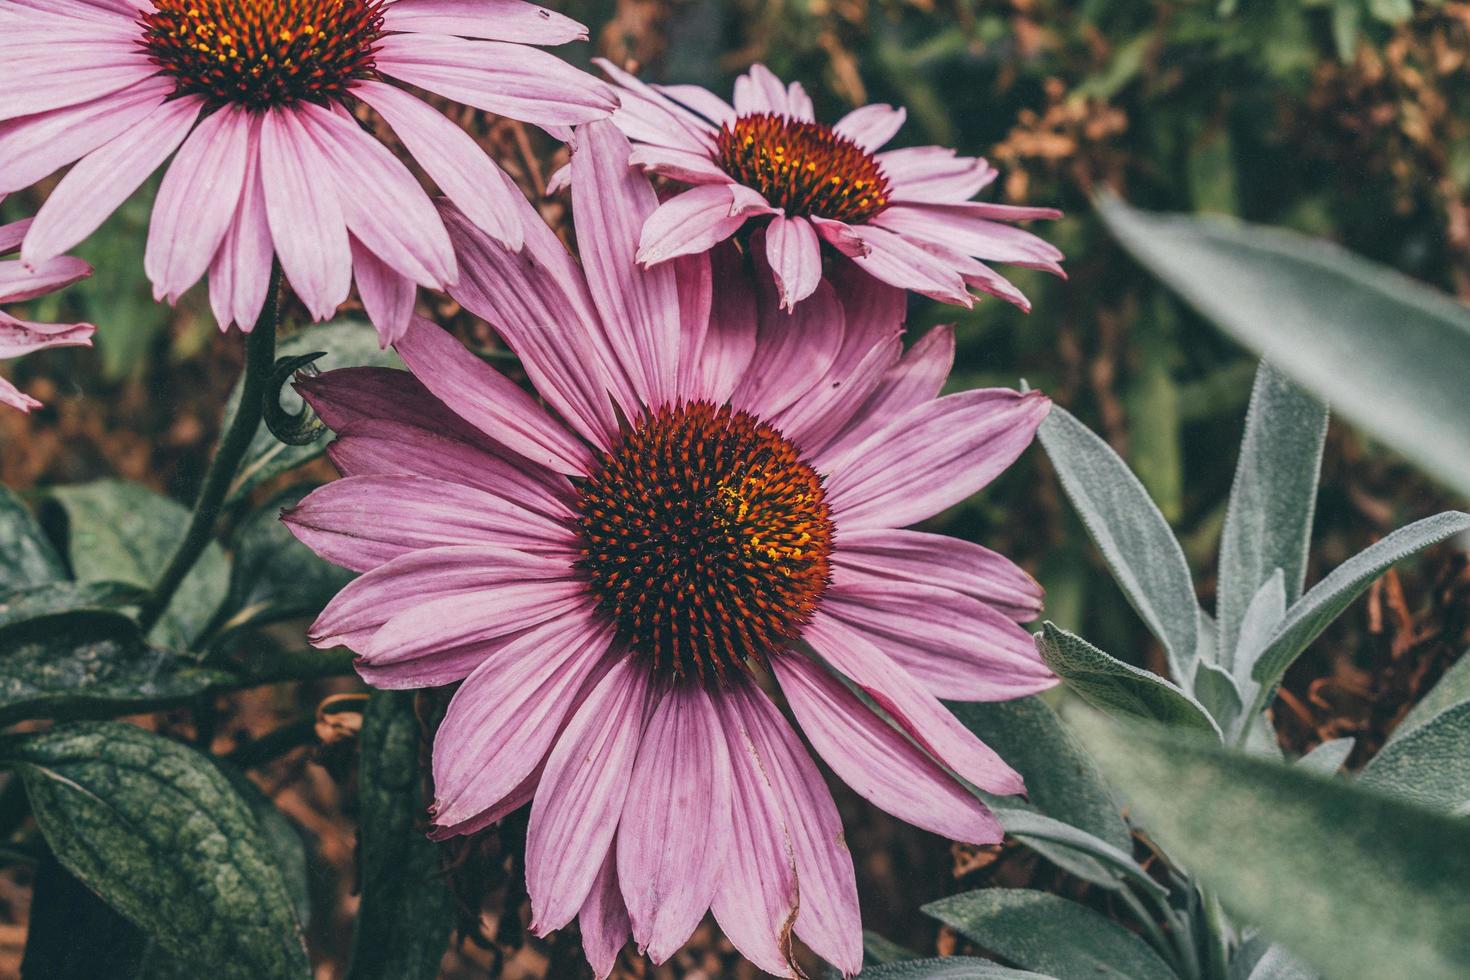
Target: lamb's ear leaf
1357,883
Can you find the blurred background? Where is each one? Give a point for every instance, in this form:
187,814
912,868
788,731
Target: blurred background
1345,119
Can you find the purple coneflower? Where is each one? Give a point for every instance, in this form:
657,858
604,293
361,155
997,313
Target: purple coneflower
712,510
18,283
904,216
254,96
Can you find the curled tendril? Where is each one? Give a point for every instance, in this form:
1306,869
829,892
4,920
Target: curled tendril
301,427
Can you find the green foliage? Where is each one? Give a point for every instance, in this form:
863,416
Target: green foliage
162,836
948,968
26,557
124,532
1362,885
403,924
1050,934
1319,314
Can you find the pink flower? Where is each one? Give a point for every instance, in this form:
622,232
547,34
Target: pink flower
254,96
711,507
904,216
19,282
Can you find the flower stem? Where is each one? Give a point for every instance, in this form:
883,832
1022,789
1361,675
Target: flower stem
260,355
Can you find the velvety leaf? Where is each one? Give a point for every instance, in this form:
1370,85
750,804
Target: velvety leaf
159,833
1132,535
65,597
347,343
406,914
1278,964
1108,683
1268,523
1061,780
124,532
91,663
274,576
1430,764
1452,689
947,968
1328,757
26,557
1359,884
1075,851
1051,934
1217,693
1257,627
1320,314
1326,600
879,949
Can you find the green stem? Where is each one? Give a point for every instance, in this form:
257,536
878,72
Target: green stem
260,356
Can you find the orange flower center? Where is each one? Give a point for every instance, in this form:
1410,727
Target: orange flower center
707,539
262,53
804,168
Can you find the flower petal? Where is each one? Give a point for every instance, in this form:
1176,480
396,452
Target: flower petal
240,273
940,560
795,256
871,126
696,220
495,20
934,173
603,919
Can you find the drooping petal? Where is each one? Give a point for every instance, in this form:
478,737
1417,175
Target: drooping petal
876,760
360,522
675,826
914,709
105,178
304,212
957,647
507,79
20,337
451,158
931,457
795,257
196,202
828,920
240,273
495,20
756,900
696,220
483,397
603,919
899,262
949,226
19,282
502,720
582,792
387,296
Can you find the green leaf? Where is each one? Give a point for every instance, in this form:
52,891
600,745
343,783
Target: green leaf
1062,781
1109,684
1268,522
1075,851
159,833
1389,352
407,911
1430,764
1218,694
274,576
1048,933
91,663
124,532
65,597
1132,535
1452,689
947,968
347,343
1358,883
1329,756
1326,600
26,557
880,949
1278,964
280,834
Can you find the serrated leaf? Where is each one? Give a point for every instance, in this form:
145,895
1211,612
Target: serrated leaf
1062,781
347,343
1110,685
91,663
1132,535
124,532
1318,313
1048,933
404,920
1329,756
274,576
947,968
26,556
1326,600
1430,764
1359,884
159,833
1268,522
